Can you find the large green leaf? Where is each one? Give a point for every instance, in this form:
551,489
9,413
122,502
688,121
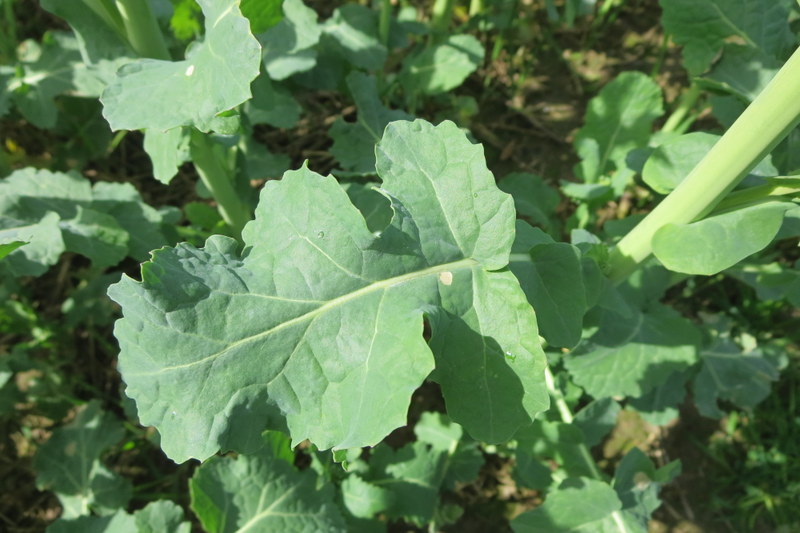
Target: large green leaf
322,320
262,492
703,27
618,120
214,77
720,241
69,464
354,143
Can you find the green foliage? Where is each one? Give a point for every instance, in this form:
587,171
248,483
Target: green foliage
278,496
69,464
363,352
618,120
434,258
150,93
57,212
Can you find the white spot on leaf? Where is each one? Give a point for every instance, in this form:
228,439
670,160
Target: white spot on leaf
446,278
190,70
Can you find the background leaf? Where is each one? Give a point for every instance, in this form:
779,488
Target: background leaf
260,492
719,241
215,77
618,120
69,464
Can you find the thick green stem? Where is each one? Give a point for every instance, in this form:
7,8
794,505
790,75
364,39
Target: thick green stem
210,165
771,116
142,29
441,15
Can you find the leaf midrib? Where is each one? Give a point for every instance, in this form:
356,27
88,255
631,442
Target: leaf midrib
327,306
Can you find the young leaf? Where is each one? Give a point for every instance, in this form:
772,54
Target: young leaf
40,241
44,72
323,320
672,161
262,14
363,499
728,373
561,443
637,483
440,67
660,405
168,150
100,33
161,516
720,241
597,419
260,492
353,32
288,46
354,143
552,278
57,211
272,104
772,281
578,504
69,464
533,198
214,77
631,360
618,120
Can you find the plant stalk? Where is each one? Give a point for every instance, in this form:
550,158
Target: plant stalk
142,29
568,418
475,7
9,37
685,103
441,15
107,10
384,22
768,119
215,175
